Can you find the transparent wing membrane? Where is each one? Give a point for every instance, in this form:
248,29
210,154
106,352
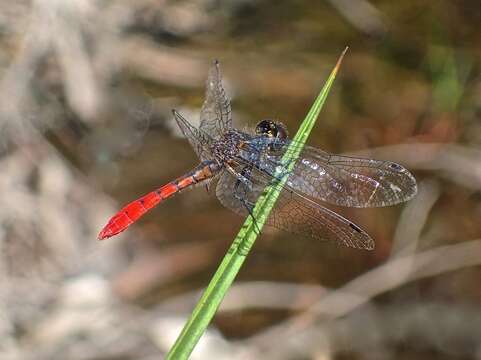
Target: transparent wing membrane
215,115
293,212
198,139
341,180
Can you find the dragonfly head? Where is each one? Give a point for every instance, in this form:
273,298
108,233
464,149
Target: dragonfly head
272,129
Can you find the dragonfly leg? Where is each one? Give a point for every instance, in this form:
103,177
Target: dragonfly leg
249,207
241,177
207,186
240,193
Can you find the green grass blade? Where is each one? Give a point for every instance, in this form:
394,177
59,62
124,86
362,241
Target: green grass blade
233,260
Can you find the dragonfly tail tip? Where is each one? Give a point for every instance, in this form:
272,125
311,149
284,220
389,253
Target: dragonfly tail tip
104,234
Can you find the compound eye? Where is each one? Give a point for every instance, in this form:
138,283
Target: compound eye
266,127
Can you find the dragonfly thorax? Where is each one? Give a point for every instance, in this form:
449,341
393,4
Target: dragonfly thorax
228,147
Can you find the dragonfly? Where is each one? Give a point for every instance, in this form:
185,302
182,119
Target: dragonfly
242,163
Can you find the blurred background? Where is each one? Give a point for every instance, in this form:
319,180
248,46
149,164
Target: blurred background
87,89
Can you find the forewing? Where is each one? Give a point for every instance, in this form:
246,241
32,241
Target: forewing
350,181
215,115
198,139
343,180
292,212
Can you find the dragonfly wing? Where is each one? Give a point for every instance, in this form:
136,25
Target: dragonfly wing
292,212
350,181
198,139
229,196
345,181
215,115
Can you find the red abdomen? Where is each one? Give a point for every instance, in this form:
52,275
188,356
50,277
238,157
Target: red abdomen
133,211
